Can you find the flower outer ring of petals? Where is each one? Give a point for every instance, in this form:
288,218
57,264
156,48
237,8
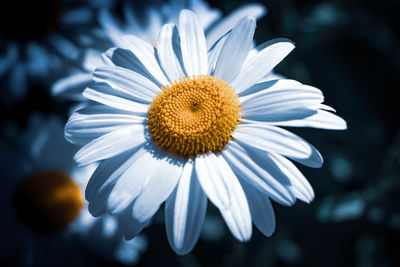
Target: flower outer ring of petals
194,115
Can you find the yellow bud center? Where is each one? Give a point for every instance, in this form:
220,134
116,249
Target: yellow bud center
48,201
194,116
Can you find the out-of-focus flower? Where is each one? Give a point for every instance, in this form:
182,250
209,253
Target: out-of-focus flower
145,20
41,39
42,197
180,123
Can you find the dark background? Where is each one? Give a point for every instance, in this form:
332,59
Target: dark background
350,50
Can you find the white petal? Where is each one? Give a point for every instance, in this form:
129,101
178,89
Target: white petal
227,23
132,85
110,26
104,94
206,14
72,86
296,178
277,140
185,210
214,52
193,43
254,117
168,52
124,58
324,107
94,121
158,187
132,180
146,54
103,180
237,216
106,174
261,209
280,100
274,139
321,119
225,192
273,76
111,144
91,59
247,169
283,172
262,63
213,184
235,49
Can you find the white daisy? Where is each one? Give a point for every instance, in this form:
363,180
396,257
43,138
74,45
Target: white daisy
181,124
42,197
145,21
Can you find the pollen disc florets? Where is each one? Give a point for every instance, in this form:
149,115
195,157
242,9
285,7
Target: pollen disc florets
194,116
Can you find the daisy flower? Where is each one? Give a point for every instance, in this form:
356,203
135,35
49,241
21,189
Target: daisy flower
38,38
42,197
145,21
183,124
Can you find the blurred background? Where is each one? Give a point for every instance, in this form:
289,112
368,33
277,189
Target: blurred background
348,49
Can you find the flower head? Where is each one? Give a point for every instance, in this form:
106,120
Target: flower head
45,207
180,123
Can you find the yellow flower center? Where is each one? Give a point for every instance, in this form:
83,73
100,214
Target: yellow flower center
48,201
194,116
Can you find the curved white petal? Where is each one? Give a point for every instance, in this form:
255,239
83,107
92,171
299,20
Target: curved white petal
131,181
216,179
94,121
261,209
324,107
111,144
133,85
206,14
248,170
321,119
193,43
110,26
297,179
104,94
103,180
281,171
146,54
272,139
214,52
124,58
280,100
237,217
146,183
259,65
213,184
185,211
168,52
227,23
72,85
235,49
158,187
